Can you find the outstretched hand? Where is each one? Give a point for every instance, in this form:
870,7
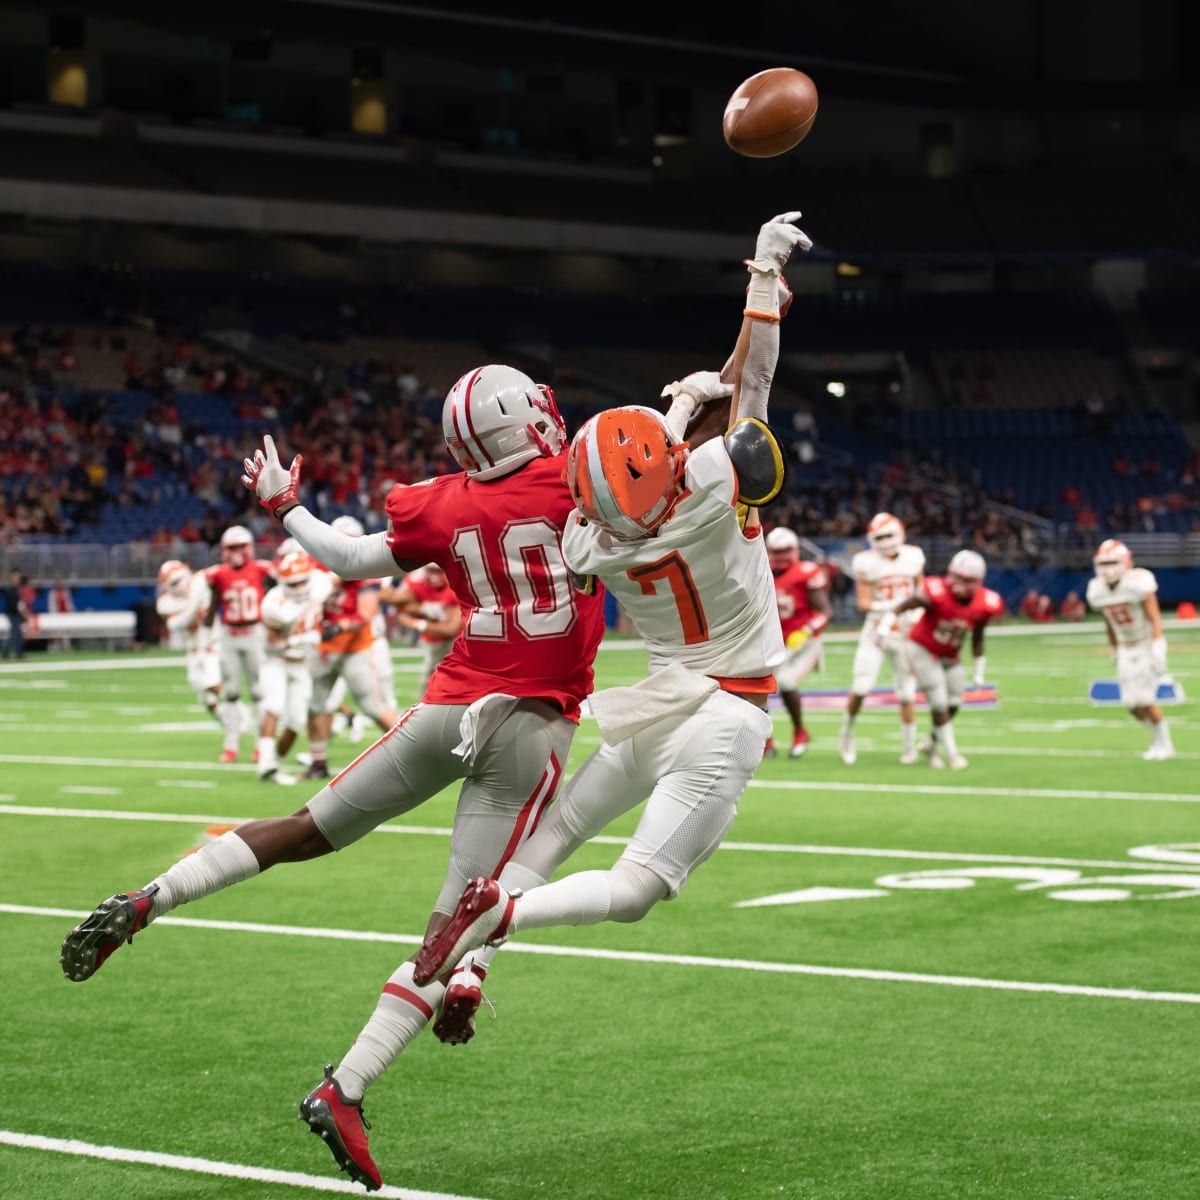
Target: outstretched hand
777,239
276,486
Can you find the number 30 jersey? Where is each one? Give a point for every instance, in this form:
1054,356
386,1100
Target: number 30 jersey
1121,603
700,591
526,631
239,591
943,627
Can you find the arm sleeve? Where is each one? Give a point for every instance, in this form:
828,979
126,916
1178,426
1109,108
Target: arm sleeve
758,369
347,557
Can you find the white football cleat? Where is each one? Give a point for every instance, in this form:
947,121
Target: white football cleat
909,757
846,747
1159,753
958,763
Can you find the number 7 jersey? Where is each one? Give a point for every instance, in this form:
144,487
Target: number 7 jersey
526,631
700,591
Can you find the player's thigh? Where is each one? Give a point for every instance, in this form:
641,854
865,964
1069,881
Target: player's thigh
405,767
927,670
325,671
694,802
868,659
956,683
273,684
231,667
361,674
514,779
798,664
299,696
432,654
381,655
904,682
203,671
254,652
1135,677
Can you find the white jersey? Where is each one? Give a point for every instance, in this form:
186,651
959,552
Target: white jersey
297,622
184,615
1121,603
699,592
892,580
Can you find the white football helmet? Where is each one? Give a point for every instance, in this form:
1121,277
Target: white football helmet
174,578
783,548
966,572
350,526
496,419
286,547
1112,560
237,544
295,574
885,533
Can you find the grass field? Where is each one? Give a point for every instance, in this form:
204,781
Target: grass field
885,1043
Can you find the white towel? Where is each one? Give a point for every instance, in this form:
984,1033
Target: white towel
480,721
624,711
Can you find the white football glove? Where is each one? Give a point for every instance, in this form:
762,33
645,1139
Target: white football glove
776,241
691,393
885,631
276,486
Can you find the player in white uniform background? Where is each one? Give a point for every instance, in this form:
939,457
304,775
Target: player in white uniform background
658,526
292,616
183,602
1127,597
885,575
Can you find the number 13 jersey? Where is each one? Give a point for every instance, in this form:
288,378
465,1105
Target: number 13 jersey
526,631
700,591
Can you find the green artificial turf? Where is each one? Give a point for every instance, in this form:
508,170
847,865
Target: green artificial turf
605,1078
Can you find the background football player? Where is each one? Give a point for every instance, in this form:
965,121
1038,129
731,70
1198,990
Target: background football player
1126,596
802,593
429,607
950,608
183,601
885,576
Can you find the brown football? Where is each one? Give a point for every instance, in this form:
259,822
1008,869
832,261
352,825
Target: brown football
770,113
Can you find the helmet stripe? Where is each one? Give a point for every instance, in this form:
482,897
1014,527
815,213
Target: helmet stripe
471,424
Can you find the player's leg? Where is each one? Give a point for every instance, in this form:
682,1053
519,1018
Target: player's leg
905,686
868,659
432,654
927,671
1139,693
385,672
361,674
231,680
326,676
702,764
295,708
955,677
273,685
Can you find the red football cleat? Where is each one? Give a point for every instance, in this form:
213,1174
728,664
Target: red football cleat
455,1024
87,947
343,1128
228,756
799,744
482,916
769,750
254,755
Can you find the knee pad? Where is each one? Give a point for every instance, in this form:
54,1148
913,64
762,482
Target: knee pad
635,891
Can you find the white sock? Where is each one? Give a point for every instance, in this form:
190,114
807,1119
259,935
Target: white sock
1162,735
213,867
231,722
944,735
402,1012
267,760
848,721
580,899
908,736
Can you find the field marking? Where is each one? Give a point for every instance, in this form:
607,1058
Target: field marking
186,783
869,974
929,789
1185,863
207,1166
90,791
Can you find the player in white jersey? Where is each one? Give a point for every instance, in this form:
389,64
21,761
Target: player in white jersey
658,526
885,575
1127,597
183,602
292,616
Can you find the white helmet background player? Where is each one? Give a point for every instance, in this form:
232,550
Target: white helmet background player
495,419
237,542
350,526
885,533
968,569
1112,560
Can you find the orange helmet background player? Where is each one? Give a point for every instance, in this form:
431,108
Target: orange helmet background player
885,533
1112,560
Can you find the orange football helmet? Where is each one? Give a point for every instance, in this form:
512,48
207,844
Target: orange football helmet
885,533
1112,560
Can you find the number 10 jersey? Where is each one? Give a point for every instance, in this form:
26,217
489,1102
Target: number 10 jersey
699,592
526,631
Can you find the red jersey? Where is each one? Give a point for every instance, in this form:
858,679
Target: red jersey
433,602
792,587
526,631
239,591
342,605
943,627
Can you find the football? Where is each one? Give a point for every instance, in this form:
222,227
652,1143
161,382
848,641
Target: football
770,113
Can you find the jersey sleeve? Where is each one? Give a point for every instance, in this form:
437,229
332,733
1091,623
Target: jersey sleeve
993,605
1093,592
934,589
860,567
1142,582
412,531
918,556
818,579
710,469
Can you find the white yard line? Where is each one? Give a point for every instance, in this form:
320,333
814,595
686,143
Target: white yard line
675,960
198,784
207,1166
816,851
90,791
929,789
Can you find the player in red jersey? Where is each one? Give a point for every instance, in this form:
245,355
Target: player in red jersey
802,592
950,609
499,715
238,585
429,606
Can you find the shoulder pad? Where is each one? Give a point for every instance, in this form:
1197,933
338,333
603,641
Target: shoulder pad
758,460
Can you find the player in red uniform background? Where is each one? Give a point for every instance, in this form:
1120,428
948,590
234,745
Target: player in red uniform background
499,715
238,585
802,591
951,608
429,606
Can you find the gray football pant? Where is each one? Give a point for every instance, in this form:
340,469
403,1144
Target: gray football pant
513,780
